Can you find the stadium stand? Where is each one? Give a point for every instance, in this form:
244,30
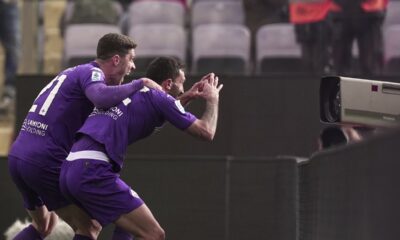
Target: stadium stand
222,48
223,12
165,40
79,46
148,12
392,49
85,12
277,49
195,1
392,13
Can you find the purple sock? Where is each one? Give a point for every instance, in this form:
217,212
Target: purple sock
28,233
81,237
120,234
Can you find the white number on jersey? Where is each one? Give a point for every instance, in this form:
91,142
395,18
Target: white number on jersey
43,110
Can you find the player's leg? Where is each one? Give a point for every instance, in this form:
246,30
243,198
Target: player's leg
141,223
121,234
95,187
82,224
43,221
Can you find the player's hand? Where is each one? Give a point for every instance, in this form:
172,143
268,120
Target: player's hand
210,90
192,93
151,84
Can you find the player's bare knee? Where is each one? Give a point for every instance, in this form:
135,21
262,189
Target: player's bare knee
93,230
45,224
160,234
95,227
156,234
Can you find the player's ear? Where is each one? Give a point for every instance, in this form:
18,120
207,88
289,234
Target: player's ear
116,59
167,84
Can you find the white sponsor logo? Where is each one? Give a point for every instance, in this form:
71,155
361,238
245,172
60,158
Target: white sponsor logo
113,112
134,193
96,76
126,101
179,106
34,127
145,89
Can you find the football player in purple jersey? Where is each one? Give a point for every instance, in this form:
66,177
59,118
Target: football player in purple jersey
47,133
90,176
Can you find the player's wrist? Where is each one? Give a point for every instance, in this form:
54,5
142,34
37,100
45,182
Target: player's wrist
213,99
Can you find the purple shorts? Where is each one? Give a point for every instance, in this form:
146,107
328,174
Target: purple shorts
96,188
39,186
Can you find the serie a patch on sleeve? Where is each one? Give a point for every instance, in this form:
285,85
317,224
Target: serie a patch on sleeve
96,76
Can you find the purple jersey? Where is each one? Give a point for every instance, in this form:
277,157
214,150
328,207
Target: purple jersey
60,109
134,118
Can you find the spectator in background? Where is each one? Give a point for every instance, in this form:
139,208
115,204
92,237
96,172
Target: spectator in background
334,136
10,39
313,32
359,20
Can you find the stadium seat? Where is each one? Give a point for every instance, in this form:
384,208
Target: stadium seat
392,49
392,13
277,49
224,12
195,1
69,9
221,48
80,41
149,12
158,40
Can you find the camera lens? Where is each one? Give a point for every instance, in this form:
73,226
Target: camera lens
332,104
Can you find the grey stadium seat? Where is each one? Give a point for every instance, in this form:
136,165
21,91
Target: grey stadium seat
277,49
195,1
221,48
156,40
80,41
392,49
392,13
225,12
149,12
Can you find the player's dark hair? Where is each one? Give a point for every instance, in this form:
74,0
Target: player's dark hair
114,43
332,136
163,68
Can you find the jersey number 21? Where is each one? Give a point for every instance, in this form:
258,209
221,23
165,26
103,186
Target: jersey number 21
52,94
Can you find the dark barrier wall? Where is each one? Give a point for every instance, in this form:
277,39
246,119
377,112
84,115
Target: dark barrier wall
201,198
352,192
11,205
259,116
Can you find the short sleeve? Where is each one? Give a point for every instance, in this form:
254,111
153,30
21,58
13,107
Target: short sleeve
174,112
91,75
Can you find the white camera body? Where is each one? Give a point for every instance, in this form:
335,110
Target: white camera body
360,101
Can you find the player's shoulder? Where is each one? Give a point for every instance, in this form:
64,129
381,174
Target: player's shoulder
86,68
155,93
89,70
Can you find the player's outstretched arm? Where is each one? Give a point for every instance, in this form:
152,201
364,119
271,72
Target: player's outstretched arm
103,96
151,84
206,126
